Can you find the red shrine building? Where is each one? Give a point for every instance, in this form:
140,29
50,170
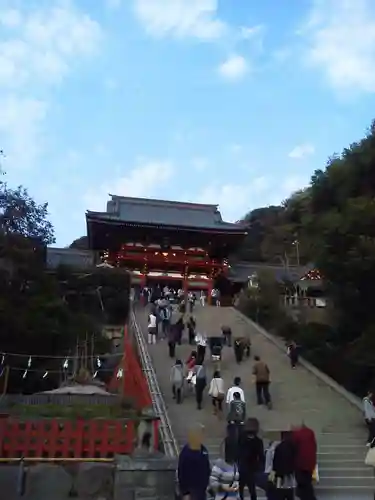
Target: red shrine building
164,242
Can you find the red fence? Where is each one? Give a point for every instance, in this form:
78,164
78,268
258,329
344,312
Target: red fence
65,438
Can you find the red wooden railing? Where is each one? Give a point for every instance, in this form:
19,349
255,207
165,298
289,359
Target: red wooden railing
60,438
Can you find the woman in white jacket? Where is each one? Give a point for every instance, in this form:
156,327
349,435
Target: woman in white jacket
217,392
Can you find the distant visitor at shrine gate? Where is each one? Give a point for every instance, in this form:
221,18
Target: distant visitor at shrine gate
177,244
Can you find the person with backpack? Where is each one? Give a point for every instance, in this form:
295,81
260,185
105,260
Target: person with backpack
236,417
236,387
237,410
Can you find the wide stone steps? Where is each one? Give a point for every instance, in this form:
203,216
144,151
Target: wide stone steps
297,396
341,468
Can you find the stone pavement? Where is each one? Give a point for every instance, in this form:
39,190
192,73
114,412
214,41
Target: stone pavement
297,396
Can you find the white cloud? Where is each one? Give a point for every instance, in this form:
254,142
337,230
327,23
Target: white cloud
293,183
144,180
250,32
234,68
113,4
180,18
200,164
341,43
110,84
235,148
21,121
302,151
234,199
38,48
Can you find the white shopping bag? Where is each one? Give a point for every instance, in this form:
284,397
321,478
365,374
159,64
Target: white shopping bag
315,475
370,457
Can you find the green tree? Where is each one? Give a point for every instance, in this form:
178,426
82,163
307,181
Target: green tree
20,215
341,228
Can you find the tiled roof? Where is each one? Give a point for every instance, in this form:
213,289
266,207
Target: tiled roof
240,271
161,212
78,259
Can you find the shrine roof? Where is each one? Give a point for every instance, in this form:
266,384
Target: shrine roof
150,212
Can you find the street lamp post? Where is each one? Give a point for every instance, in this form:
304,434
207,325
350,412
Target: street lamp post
296,244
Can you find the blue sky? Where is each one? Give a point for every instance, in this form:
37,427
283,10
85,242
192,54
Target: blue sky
234,102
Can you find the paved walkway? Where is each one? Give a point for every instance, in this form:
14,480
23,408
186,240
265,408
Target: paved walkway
297,396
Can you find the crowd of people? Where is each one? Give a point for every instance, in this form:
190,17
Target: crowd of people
283,469
150,294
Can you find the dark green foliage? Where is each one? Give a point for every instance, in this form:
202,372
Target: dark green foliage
48,314
81,243
22,216
334,221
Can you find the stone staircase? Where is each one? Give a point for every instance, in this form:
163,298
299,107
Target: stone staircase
297,396
338,425
343,474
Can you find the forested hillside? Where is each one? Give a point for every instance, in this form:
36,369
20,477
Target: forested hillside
333,221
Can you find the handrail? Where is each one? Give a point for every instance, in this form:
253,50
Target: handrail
171,448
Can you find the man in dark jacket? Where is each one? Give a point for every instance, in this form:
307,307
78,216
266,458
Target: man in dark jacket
194,467
250,457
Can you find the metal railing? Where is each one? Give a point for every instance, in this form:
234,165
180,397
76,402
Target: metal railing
167,437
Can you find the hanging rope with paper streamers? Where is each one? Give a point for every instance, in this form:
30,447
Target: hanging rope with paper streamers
4,355
44,373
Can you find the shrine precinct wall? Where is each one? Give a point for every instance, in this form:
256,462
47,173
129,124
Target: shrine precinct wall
129,478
